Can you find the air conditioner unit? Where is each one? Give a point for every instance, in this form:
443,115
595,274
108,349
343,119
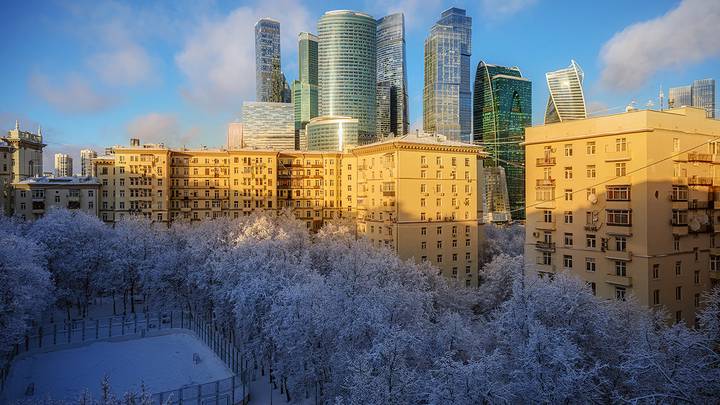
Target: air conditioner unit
536,234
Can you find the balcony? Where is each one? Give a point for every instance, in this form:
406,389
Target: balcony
619,255
622,281
699,205
545,246
715,275
678,229
545,161
545,226
592,227
700,157
616,156
390,193
699,181
545,182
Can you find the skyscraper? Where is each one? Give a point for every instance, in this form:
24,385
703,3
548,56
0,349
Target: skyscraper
446,100
566,101
268,125
63,165
86,157
347,68
703,95
680,96
305,89
269,81
392,104
700,94
502,108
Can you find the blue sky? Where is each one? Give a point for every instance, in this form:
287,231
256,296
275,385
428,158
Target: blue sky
94,73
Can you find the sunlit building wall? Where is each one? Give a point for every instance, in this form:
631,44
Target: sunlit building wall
629,203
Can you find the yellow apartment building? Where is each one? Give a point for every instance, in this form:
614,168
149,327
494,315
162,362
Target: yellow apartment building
415,194
630,203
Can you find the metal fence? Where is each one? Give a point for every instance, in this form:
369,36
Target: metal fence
62,335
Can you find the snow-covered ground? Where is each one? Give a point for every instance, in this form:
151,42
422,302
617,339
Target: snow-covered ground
162,362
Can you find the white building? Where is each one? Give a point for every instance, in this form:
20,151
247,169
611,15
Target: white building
86,157
63,165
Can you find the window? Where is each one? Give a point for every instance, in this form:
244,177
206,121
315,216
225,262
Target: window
590,264
656,297
714,263
590,171
423,245
620,169
568,150
593,288
547,215
423,231
590,241
619,217
568,195
545,194
679,193
618,193
439,258
697,300
546,258
676,145
439,230
620,293
590,148
676,243
620,144
620,268
620,243
696,277
568,239
679,217
567,261
678,316
678,268
568,217
439,244
656,271
678,293
568,172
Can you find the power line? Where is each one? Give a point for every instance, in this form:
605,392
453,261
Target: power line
617,177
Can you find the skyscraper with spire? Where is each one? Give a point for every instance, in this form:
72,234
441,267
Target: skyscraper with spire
269,80
392,99
447,107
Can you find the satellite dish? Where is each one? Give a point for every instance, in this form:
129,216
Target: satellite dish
694,225
592,198
704,219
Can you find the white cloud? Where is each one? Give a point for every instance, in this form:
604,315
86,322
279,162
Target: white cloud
218,58
160,128
125,65
418,13
685,35
74,94
499,9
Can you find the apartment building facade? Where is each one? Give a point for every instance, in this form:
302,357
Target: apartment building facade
630,203
415,195
35,196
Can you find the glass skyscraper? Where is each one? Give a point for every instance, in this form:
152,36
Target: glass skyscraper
566,101
447,105
305,89
328,133
269,80
703,95
392,99
268,125
347,68
502,108
700,94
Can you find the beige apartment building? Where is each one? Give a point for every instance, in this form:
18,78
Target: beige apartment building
35,196
630,203
414,194
20,158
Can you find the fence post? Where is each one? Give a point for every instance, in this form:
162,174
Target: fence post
122,331
232,389
54,334
68,328
83,331
97,329
135,317
171,319
40,339
217,392
110,327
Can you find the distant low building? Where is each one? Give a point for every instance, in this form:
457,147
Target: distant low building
35,196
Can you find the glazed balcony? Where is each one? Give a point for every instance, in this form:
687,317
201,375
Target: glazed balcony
614,279
545,161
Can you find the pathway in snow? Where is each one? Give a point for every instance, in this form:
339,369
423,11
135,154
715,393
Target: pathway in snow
162,362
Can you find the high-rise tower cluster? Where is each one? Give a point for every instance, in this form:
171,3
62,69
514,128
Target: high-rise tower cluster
701,93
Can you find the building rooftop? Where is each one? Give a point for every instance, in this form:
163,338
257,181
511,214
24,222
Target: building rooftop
71,180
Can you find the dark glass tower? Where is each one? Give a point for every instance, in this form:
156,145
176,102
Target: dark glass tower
502,108
269,80
392,108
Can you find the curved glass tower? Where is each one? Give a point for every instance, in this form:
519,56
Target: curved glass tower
447,105
392,107
347,68
502,108
566,101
